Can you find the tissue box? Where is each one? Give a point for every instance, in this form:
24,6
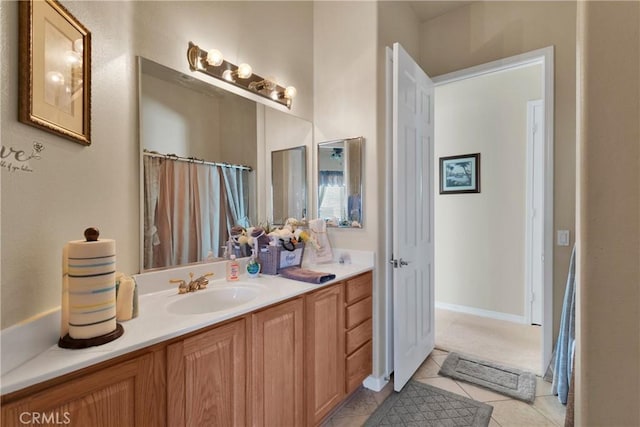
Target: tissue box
274,258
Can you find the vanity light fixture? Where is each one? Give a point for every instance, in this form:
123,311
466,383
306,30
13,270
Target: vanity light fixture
213,64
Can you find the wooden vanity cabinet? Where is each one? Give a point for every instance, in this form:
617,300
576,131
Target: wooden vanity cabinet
324,341
338,340
289,364
276,378
206,378
358,330
130,393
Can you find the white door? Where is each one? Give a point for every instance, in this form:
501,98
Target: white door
534,251
413,300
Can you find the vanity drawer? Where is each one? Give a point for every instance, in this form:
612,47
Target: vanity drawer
359,366
358,312
359,287
358,336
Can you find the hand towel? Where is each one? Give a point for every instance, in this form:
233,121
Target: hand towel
126,298
304,275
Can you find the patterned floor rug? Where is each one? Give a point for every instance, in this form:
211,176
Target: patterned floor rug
501,379
420,404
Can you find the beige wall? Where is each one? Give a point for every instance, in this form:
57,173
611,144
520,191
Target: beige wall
74,186
398,23
345,102
238,131
484,232
608,268
171,120
487,31
345,96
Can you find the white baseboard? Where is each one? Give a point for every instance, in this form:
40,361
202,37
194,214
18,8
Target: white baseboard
481,312
375,383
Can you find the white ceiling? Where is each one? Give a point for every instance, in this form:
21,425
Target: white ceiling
426,9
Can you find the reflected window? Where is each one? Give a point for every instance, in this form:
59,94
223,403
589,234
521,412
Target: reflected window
340,182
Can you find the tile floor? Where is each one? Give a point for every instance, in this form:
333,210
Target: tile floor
546,410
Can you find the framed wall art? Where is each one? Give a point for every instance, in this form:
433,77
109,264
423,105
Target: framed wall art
55,71
460,174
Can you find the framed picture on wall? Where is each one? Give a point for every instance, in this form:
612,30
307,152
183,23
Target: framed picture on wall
55,71
460,174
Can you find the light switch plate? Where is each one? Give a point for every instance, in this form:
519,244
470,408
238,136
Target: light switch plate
562,237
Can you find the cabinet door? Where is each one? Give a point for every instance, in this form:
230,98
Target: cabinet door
130,393
206,378
325,362
276,366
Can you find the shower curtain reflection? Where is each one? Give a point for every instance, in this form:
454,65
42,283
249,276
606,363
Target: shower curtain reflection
189,210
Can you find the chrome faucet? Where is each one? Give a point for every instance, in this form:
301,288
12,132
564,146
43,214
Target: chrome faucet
193,285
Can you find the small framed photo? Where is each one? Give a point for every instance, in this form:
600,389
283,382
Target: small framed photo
460,174
55,70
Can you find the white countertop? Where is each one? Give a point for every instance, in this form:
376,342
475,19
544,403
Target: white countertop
156,324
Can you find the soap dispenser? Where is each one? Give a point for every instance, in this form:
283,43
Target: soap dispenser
233,269
253,267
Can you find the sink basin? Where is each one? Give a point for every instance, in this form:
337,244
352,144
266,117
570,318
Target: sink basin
214,299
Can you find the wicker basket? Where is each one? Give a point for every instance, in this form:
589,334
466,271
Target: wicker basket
274,258
240,251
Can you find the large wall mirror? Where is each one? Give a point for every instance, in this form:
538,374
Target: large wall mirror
340,171
205,164
288,184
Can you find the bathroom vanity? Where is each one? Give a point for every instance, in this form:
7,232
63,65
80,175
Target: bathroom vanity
287,357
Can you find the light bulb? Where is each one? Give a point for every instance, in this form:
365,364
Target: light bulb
73,58
290,92
55,78
244,71
78,45
214,57
228,75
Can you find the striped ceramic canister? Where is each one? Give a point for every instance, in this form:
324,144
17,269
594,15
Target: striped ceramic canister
91,268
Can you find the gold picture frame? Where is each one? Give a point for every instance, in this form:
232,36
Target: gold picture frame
55,71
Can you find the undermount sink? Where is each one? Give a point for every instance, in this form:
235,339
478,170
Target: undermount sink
214,299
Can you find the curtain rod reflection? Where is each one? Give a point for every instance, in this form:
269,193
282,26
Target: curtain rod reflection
194,160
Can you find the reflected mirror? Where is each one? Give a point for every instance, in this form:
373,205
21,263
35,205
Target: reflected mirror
203,163
288,184
340,182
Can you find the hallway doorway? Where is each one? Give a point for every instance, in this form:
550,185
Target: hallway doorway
487,271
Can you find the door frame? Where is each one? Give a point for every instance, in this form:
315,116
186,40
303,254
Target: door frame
545,57
388,369
534,274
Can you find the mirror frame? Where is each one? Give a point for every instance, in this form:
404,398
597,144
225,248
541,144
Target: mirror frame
343,223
